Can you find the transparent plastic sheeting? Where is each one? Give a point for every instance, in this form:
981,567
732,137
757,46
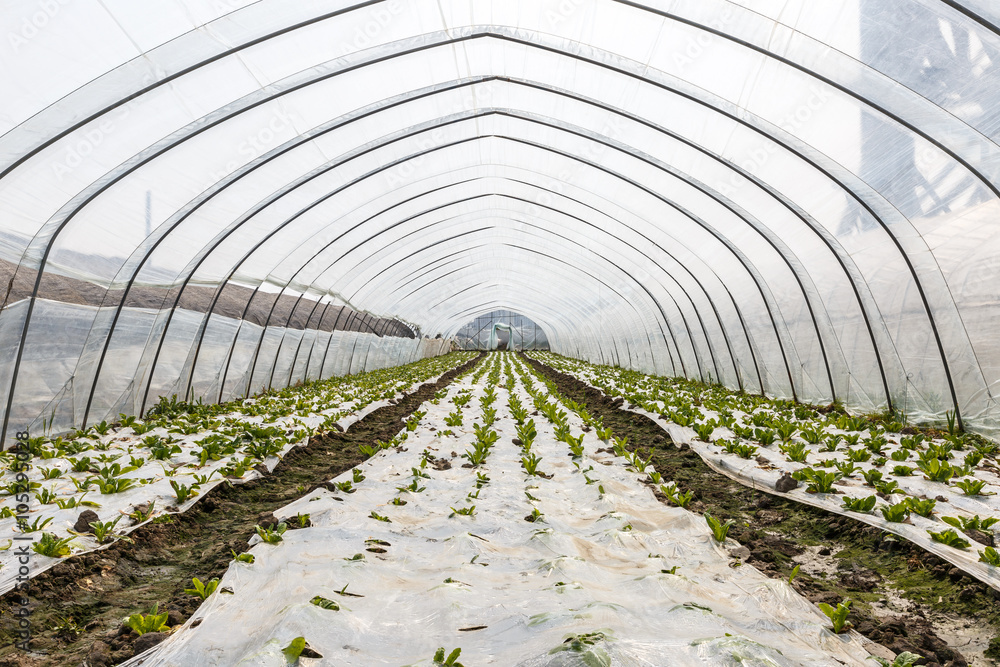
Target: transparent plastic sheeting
520,334
763,475
158,491
55,400
794,197
579,571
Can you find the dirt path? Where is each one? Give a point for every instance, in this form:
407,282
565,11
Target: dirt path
77,607
839,557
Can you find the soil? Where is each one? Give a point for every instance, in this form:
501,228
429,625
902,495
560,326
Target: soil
903,597
77,607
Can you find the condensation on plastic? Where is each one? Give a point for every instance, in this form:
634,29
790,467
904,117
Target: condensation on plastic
791,197
529,584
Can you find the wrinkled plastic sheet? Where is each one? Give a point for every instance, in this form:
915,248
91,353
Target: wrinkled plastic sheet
763,477
505,590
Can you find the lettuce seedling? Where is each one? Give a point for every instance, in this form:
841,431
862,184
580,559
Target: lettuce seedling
838,616
379,517
812,435
245,557
294,650
971,487
896,513
81,464
887,488
817,482
764,436
620,445
26,527
450,661
872,477
637,462
412,487
858,455
904,659
949,537
203,479
151,622
990,556
271,536
530,463
924,508
846,468
797,453
200,590
936,470
719,529
324,603
52,546
183,491
674,495
705,430
862,505
71,503
464,511
45,496
786,430
575,446
974,523
972,459
103,529
109,485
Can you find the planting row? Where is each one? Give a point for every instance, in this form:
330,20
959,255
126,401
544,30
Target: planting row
501,525
85,489
936,488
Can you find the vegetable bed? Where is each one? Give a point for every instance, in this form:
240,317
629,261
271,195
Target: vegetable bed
936,489
512,526
129,473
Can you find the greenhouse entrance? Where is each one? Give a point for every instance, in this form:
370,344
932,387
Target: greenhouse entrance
502,330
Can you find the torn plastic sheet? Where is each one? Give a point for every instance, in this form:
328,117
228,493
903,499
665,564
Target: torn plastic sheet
505,590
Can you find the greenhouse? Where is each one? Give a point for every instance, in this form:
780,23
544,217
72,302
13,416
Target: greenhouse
536,333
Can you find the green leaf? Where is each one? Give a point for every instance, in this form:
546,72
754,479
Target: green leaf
294,650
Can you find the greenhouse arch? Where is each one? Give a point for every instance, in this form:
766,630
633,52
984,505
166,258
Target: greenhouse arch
530,333
799,310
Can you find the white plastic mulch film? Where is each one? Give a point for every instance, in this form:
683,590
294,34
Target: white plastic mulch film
581,567
795,197
856,470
